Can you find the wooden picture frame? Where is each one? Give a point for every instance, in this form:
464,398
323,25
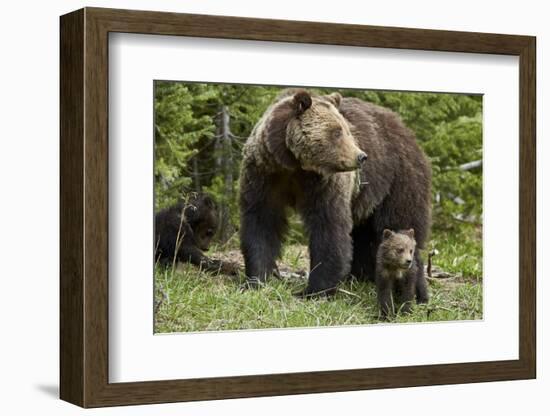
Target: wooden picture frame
84,207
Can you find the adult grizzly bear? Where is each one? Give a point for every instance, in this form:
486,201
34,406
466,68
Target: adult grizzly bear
310,152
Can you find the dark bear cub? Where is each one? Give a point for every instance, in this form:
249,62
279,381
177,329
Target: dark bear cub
185,230
398,277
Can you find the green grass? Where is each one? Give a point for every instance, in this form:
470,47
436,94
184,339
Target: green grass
460,251
190,300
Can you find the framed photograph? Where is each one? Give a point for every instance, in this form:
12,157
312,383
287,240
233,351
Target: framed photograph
255,207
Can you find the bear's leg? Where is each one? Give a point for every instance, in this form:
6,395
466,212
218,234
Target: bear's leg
407,290
422,295
384,292
364,252
262,231
330,248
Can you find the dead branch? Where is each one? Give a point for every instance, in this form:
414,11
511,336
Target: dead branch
471,165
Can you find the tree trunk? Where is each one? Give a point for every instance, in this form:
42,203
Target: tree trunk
225,164
196,173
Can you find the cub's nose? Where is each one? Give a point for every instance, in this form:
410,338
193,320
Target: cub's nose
362,158
409,261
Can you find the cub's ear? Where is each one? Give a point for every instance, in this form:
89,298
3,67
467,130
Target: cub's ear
410,232
387,234
335,99
275,133
302,101
191,211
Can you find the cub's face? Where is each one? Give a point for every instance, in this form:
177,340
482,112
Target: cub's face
398,248
321,140
202,216
205,230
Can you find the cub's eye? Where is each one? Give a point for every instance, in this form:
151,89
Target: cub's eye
411,252
400,250
336,134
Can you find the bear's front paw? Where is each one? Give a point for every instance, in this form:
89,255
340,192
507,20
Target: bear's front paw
406,308
251,283
421,299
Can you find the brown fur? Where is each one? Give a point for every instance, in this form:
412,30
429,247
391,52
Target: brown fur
396,271
308,152
185,230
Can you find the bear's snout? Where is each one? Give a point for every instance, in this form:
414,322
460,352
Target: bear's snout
361,158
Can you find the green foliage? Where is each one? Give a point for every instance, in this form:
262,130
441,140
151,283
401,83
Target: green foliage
459,251
459,192
193,150
180,125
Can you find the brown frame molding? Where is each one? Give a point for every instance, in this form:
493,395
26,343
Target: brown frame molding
84,207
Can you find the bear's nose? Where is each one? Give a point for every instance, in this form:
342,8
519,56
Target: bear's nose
362,158
409,261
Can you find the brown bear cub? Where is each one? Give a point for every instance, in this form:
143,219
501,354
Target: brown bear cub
350,169
397,277
184,230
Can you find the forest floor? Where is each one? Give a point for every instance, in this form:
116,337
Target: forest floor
190,300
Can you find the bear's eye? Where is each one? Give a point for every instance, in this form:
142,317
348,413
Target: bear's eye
410,251
400,250
336,134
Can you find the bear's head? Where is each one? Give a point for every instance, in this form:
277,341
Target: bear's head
308,132
202,217
397,249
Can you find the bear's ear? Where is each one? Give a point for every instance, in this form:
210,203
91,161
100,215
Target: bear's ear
335,99
410,232
302,101
191,211
387,233
275,131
